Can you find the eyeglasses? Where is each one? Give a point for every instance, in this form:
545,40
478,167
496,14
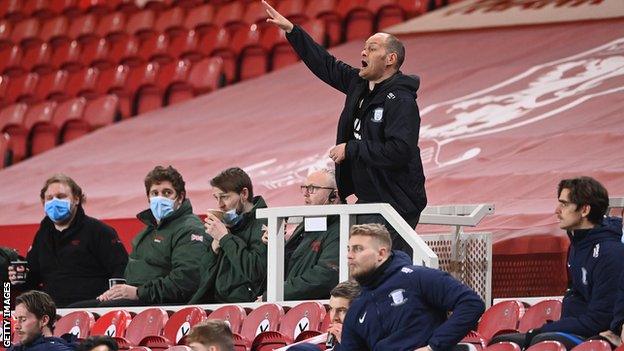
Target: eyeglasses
311,189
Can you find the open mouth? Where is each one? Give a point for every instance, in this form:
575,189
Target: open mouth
364,64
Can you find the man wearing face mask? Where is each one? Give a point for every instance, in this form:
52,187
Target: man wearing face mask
70,248
234,270
164,263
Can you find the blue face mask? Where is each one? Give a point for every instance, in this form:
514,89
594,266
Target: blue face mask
58,210
231,218
161,206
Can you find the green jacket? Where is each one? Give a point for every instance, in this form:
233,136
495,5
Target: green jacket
312,269
164,262
238,272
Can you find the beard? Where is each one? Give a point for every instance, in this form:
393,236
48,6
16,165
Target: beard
363,275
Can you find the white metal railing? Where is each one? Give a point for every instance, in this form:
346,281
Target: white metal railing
453,215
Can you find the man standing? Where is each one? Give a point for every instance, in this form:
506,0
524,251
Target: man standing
234,268
212,335
311,257
376,154
403,307
34,317
594,263
164,264
71,249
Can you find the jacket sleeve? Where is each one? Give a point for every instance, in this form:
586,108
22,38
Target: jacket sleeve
402,124
111,252
600,306
350,340
444,292
325,66
183,279
250,261
618,311
316,282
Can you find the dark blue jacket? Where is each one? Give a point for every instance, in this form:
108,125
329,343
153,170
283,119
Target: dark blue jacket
618,311
390,122
406,307
42,343
595,261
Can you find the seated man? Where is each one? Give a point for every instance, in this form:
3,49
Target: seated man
402,306
311,257
70,248
164,264
594,261
35,313
212,335
234,269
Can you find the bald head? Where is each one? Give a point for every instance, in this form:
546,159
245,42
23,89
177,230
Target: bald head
321,188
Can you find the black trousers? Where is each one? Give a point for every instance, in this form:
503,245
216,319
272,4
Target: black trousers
398,243
568,340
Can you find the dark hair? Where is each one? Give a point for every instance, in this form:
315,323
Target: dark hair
393,44
92,342
587,191
233,179
211,333
62,178
347,289
374,230
161,174
40,304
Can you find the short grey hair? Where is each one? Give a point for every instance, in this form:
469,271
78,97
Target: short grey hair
393,44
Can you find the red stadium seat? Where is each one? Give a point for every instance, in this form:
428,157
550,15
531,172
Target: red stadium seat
255,14
253,58
128,7
38,122
156,48
240,343
540,313
170,22
67,7
67,56
230,16
126,51
112,26
51,86
150,321
593,345
83,28
68,121
96,54
204,77
359,19
200,18
305,316
5,33
113,324
12,123
177,327
503,346
282,53
620,348
113,81
82,83
141,24
294,10
12,10
102,111
388,13
547,346
262,319
22,88
26,32
326,10
54,30
234,315
186,46
38,8
144,85
11,60
502,317
78,323
220,44
306,334
6,151
172,80
157,5
413,7
37,58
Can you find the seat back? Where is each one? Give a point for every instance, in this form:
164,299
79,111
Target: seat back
78,323
6,154
547,346
234,315
69,110
502,316
54,29
82,28
199,18
101,111
181,322
206,75
263,318
503,346
593,345
13,115
113,324
304,316
150,321
539,314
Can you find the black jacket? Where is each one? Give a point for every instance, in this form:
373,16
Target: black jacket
75,264
390,124
42,343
